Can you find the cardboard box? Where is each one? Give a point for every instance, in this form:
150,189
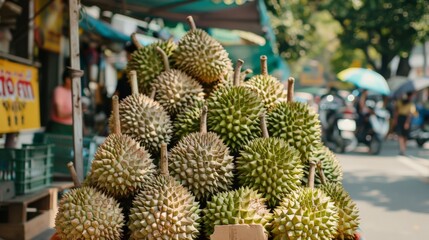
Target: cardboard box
239,232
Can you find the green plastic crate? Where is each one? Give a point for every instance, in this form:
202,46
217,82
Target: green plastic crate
30,167
64,153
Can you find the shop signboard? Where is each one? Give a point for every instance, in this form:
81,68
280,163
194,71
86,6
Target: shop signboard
19,97
49,24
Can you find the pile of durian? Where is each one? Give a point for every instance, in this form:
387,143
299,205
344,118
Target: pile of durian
239,152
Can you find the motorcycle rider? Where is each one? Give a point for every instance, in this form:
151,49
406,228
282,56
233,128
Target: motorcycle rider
363,112
330,103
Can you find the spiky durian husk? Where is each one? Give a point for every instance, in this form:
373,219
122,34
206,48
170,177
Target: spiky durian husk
347,211
270,166
233,113
144,120
164,209
120,166
147,63
305,214
187,121
176,91
271,90
330,165
242,206
296,123
201,56
201,162
85,213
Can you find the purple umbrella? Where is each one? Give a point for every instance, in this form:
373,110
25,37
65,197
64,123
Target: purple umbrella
411,86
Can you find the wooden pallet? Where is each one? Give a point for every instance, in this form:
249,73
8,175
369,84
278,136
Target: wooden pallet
28,215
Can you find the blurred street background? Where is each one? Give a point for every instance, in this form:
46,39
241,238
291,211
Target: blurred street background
391,191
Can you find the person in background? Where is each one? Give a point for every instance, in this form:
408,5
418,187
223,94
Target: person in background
363,113
123,88
404,111
61,118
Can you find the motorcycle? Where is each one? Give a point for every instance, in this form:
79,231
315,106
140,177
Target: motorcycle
376,128
338,124
420,131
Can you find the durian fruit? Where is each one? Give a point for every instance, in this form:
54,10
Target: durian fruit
175,90
201,162
146,62
306,213
85,213
144,119
120,165
270,166
241,206
226,81
187,121
201,56
271,90
234,113
296,123
347,211
328,161
164,209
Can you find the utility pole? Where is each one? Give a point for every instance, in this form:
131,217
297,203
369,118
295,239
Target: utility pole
76,74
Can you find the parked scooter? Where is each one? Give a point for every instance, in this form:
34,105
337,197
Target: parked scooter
376,127
420,131
338,123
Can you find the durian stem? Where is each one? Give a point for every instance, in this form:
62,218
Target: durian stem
163,163
191,22
73,174
290,89
264,68
247,71
134,85
263,125
164,58
116,119
203,120
237,72
153,93
244,74
321,173
311,174
135,40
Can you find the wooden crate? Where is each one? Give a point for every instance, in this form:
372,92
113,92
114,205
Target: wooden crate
28,215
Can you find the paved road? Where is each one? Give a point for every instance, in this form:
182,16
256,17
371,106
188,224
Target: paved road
392,192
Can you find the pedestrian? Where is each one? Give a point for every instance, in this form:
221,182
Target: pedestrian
404,111
61,117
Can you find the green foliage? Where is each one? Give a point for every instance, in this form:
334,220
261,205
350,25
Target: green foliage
377,30
388,27
291,22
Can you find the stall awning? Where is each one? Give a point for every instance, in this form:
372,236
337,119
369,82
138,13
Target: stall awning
207,13
93,25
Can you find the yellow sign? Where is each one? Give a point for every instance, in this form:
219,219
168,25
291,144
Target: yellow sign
19,97
49,24
312,75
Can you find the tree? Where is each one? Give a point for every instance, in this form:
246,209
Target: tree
385,27
291,23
